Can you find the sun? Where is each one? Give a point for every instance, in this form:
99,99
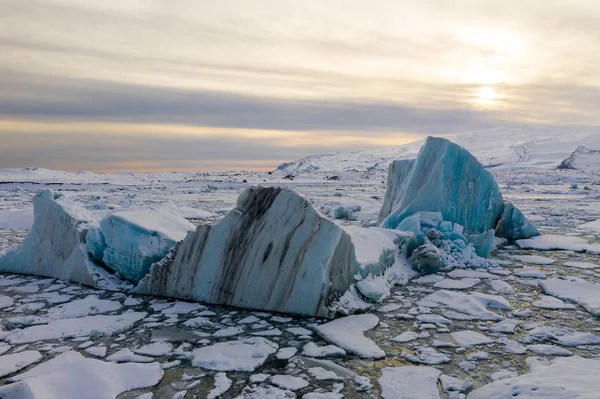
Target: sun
486,94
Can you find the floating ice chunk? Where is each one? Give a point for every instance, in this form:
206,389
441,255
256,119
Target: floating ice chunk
125,355
454,384
506,326
582,265
347,332
555,242
72,376
475,304
155,349
6,302
286,353
562,336
529,272
272,252
406,336
572,377
129,241
313,350
68,328
461,284
534,259
97,351
14,362
409,382
289,382
550,302
501,287
549,350
575,290
426,355
242,355
55,246
469,338
222,385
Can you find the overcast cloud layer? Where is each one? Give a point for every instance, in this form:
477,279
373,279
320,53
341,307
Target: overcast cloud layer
213,85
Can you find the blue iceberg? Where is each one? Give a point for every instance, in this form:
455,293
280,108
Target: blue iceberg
445,179
130,241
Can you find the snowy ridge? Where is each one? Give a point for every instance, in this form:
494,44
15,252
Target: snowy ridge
506,147
582,159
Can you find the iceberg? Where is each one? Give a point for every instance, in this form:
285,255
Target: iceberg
398,174
55,247
272,252
446,189
130,241
514,225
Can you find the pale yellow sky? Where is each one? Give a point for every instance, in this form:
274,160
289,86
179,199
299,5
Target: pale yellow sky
205,84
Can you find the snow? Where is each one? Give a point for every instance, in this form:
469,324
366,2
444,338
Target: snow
67,328
348,333
572,377
72,376
409,382
242,355
129,241
575,290
12,363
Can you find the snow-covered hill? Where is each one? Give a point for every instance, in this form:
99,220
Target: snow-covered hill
506,147
582,159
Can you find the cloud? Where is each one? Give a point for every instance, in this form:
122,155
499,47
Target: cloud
51,98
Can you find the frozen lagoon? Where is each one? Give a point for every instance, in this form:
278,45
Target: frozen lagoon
545,196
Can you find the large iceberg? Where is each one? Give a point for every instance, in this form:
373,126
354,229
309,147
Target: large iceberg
446,178
55,246
130,241
273,252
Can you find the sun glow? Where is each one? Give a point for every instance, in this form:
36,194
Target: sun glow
486,95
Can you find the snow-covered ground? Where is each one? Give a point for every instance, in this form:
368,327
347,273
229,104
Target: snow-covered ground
443,336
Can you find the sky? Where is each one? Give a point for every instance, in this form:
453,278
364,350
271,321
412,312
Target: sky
199,85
